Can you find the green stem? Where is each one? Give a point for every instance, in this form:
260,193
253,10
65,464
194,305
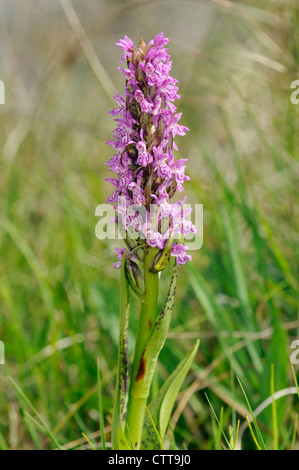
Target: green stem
146,324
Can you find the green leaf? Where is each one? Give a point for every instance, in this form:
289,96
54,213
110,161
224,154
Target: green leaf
155,429
119,441
161,407
173,390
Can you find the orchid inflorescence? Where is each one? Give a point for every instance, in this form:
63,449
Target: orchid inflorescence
148,174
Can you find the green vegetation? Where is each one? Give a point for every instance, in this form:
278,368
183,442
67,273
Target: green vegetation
59,294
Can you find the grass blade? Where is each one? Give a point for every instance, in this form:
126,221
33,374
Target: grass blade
274,410
252,432
260,438
42,421
100,405
219,423
88,440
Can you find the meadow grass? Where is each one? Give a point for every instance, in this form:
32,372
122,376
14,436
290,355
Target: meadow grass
58,291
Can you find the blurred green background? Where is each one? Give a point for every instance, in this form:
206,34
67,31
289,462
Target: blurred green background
58,290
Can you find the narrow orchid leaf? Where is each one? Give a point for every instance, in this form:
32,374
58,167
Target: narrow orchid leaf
121,396
155,429
161,407
173,390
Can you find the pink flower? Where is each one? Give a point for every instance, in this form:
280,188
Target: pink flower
179,251
144,157
147,123
127,46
